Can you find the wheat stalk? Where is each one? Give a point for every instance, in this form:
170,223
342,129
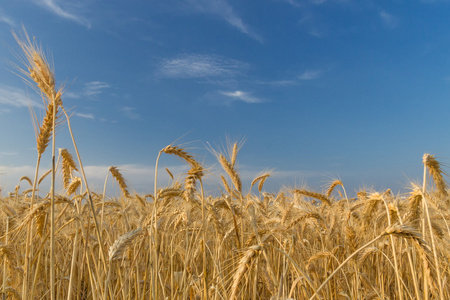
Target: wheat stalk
40,72
398,230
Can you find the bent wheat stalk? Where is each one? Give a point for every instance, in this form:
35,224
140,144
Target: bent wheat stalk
399,230
117,250
91,202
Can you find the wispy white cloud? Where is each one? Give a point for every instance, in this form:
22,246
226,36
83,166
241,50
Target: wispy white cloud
130,113
72,95
85,116
293,3
279,82
5,111
56,7
311,24
200,66
242,96
137,176
8,153
6,19
90,89
140,178
10,175
223,10
95,87
10,96
297,80
310,75
388,20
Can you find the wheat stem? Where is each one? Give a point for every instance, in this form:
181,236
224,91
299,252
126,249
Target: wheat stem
91,202
343,263
52,209
425,277
433,245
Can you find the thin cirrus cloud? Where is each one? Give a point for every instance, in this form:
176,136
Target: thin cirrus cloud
200,66
10,96
56,7
293,3
91,89
130,112
95,87
6,19
242,96
85,116
305,76
388,20
310,75
223,10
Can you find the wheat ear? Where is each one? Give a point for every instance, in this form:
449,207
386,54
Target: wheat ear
170,173
262,178
242,267
73,186
118,248
120,180
332,186
434,169
234,152
194,174
68,165
231,171
27,179
122,243
318,196
181,153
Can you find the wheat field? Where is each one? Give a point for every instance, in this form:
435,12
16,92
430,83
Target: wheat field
180,243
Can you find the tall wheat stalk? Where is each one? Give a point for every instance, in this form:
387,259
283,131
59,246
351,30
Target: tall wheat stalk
91,202
5,275
40,72
434,169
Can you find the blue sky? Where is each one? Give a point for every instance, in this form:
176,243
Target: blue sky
318,89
